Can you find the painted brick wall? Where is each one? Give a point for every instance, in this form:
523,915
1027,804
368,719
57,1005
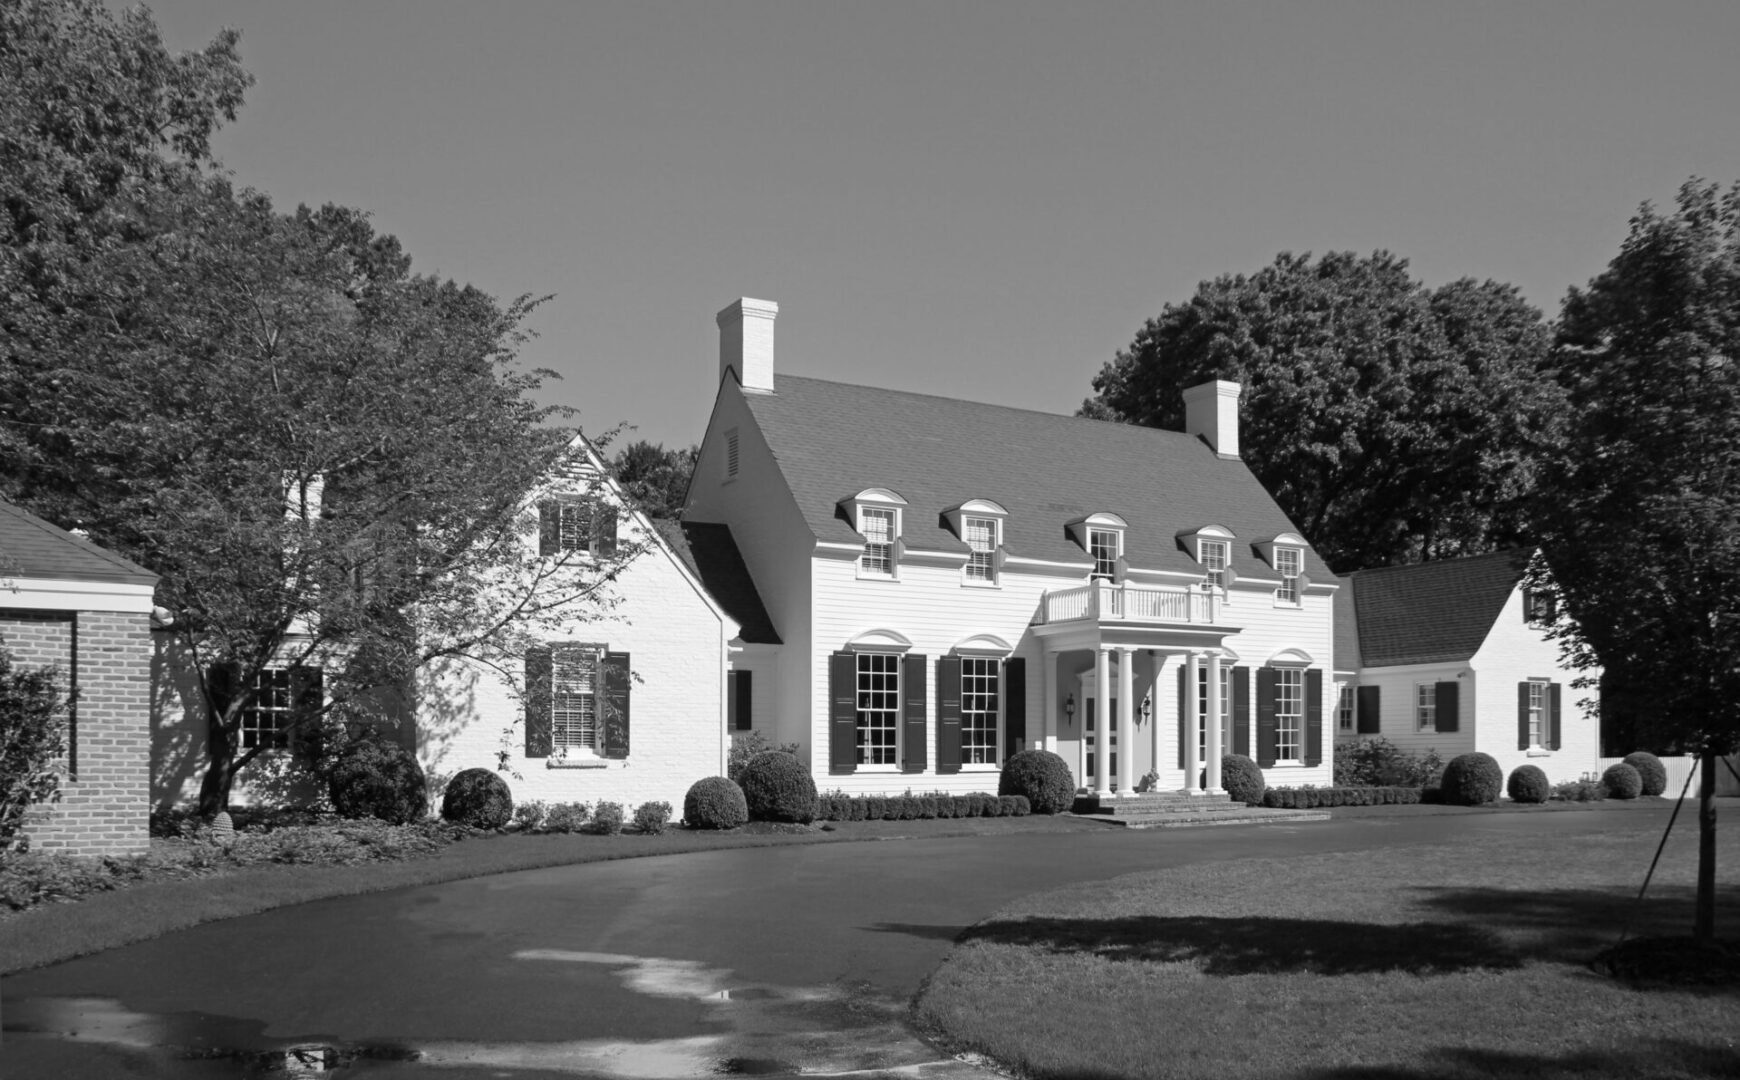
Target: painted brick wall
103,802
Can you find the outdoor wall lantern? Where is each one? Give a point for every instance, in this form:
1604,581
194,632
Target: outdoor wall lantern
1147,709
1069,709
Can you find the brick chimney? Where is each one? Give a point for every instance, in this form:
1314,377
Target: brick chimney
746,343
1211,412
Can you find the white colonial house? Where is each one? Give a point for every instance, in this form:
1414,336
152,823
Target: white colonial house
943,583
1453,656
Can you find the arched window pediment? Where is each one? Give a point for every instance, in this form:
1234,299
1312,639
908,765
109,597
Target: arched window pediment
879,640
1291,658
983,645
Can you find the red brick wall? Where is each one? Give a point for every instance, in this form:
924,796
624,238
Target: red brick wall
103,805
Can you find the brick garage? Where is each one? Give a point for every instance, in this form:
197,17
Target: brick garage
68,603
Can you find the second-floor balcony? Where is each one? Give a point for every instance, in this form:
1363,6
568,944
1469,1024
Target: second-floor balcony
1104,601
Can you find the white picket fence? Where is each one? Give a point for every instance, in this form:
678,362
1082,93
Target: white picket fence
1678,768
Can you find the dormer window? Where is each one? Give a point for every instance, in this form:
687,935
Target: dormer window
1288,563
980,533
876,514
1213,555
1103,546
1102,537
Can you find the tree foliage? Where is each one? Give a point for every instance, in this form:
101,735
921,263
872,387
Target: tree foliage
33,707
655,478
1393,423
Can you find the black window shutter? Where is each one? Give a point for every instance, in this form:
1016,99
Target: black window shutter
1014,706
1241,740
307,694
913,710
843,713
1267,687
1554,694
1370,710
1446,707
948,715
1183,720
604,529
616,680
731,709
1522,716
1313,716
549,527
742,698
538,670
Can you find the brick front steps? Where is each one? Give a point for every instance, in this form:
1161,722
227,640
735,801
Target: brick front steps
1162,810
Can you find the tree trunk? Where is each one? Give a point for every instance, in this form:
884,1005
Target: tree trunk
220,772
1704,924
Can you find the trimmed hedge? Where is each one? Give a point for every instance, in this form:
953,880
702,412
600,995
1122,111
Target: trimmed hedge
1528,784
1042,778
479,798
1472,780
919,807
1242,779
1622,781
715,802
778,787
1650,770
1312,798
373,778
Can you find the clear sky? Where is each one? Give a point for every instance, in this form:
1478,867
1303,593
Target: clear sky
977,199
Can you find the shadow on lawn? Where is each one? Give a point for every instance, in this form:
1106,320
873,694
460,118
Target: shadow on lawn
1572,925
1251,946
1655,1057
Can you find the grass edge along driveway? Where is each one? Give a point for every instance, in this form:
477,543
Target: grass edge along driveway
1441,962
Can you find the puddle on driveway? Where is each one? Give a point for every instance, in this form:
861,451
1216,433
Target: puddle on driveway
769,1031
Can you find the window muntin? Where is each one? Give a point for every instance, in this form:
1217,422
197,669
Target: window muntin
1344,711
980,533
266,721
574,526
574,699
1540,733
1103,546
979,709
878,526
1289,714
878,708
1202,709
1213,555
1426,707
1287,564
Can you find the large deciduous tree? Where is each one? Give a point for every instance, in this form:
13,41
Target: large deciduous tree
655,478
1640,514
1392,422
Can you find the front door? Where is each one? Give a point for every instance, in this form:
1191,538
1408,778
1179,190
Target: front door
1092,736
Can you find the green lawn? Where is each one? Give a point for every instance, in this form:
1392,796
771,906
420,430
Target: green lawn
1462,960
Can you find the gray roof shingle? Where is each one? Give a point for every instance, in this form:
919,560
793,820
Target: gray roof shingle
31,547
1436,612
833,440
711,553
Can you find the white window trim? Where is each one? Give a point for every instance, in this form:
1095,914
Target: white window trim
995,581
1418,689
1203,543
1304,711
998,733
894,524
884,500
1537,748
576,756
899,659
280,714
1348,693
1290,581
1117,536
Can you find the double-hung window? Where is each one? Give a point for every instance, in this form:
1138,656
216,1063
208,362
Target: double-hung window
585,525
980,533
979,709
878,708
266,721
1426,707
1287,563
1103,546
877,524
574,699
1344,711
1289,714
1214,559
1226,708
1540,726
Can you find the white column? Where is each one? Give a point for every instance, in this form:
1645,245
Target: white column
1214,707
1192,711
1048,730
1126,721
1102,722
1154,724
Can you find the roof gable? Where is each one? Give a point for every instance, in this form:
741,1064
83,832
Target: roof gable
32,548
1436,612
711,554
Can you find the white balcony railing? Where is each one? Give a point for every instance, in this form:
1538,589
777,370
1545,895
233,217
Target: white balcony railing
1102,600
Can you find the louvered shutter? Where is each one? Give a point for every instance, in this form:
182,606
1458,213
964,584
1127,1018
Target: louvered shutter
1014,706
538,672
742,698
1267,687
1369,706
913,709
1241,740
1522,716
1557,730
616,695
1183,719
604,529
549,527
948,715
842,713
1446,707
1313,716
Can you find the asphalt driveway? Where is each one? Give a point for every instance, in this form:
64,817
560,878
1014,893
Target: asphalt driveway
754,961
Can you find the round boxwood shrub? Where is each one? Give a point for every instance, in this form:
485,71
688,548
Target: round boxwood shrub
777,787
1472,780
1042,777
1622,781
479,798
1242,779
1649,769
714,802
1528,784
378,779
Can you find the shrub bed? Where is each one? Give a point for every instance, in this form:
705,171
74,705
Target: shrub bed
1650,770
478,798
1312,798
1622,781
777,787
1579,791
1042,778
1528,784
919,807
1472,780
714,802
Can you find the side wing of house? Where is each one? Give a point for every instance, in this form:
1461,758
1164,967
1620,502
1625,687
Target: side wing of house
1528,710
